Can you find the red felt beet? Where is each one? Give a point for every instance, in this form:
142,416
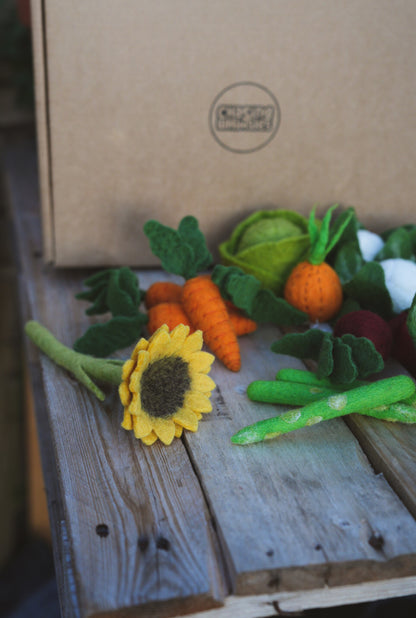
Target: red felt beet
403,348
367,324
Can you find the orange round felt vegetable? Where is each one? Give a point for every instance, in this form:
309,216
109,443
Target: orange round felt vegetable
313,286
314,289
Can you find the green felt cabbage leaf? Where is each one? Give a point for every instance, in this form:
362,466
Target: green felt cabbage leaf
267,245
368,288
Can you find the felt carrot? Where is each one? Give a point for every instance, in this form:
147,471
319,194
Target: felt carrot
163,292
202,301
201,306
313,286
169,313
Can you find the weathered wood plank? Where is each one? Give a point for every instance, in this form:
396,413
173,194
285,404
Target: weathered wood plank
303,510
160,551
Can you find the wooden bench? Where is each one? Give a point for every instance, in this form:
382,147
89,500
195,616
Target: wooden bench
321,517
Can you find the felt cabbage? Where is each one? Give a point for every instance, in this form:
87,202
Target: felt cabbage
267,245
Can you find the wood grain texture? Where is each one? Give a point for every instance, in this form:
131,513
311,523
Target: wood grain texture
303,510
158,549
201,522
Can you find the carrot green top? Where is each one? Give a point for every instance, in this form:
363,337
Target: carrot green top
183,251
324,239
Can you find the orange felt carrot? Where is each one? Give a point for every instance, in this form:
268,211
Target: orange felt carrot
313,286
163,292
203,303
168,313
240,323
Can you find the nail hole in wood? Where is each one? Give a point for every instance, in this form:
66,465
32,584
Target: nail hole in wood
143,543
269,552
274,583
318,547
102,530
376,540
162,543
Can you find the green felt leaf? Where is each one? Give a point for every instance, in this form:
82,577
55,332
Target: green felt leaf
411,321
115,290
338,228
325,357
176,256
258,303
191,234
364,355
123,294
269,308
103,339
300,345
368,288
345,370
397,245
341,359
348,261
324,240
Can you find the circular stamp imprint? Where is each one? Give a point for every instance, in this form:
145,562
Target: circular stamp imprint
244,117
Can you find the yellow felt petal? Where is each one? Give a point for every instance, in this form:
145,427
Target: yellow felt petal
127,421
177,338
202,383
178,431
198,402
142,425
135,406
201,361
187,419
157,347
141,364
124,393
164,429
150,439
192,344
140,345
127,369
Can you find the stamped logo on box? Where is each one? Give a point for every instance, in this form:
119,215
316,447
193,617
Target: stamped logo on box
244,117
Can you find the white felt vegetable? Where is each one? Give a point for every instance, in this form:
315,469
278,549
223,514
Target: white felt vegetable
370,244
400,278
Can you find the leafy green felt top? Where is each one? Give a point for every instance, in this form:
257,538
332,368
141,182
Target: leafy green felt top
341,359
115,291
324,239
260,304
182,251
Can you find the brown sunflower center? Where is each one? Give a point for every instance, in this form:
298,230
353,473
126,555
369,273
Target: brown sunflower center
163,386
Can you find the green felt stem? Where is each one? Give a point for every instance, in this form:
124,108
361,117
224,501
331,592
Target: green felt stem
82,366
309,377
362,399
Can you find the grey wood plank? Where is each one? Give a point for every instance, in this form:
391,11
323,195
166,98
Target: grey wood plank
160,552
305,510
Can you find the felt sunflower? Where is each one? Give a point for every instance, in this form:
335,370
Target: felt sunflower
165,387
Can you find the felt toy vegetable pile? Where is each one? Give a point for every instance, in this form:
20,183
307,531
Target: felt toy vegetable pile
204,301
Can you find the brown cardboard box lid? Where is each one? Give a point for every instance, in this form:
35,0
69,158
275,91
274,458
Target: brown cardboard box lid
161,108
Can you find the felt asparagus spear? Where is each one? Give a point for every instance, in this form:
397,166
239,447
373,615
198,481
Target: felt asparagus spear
386,399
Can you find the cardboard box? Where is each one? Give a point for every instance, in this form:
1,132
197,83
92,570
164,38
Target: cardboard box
161,108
